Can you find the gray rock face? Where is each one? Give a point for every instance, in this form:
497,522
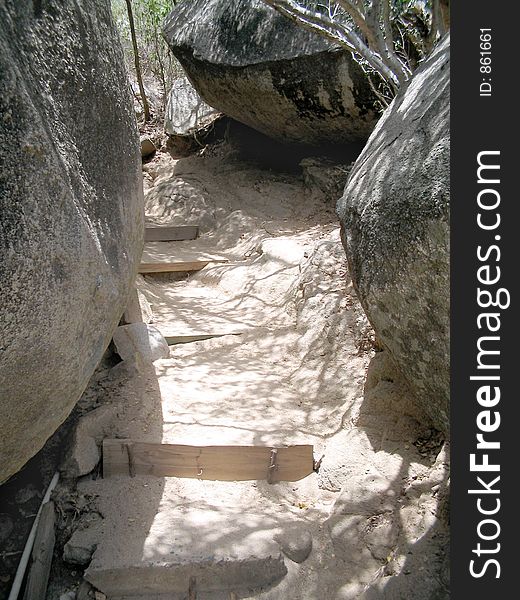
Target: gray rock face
395,225
186,111
258,67
296,544
71,221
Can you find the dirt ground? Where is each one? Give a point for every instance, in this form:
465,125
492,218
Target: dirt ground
295,363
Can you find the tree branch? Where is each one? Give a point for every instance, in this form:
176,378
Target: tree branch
359,17
338,33
437,26
394,61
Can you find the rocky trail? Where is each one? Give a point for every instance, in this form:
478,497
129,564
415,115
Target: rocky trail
257,408
286,365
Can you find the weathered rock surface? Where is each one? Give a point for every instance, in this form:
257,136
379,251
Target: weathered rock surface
147,146
296,543
138,309
71,220
84,450
395,225
83,542
186,111
260,68
142,339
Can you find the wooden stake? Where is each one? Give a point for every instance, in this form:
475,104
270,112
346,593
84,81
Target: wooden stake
38,578
26,554
164,257
192,589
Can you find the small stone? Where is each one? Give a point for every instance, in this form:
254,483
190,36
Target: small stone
68,596
82,457
83,592
126,369
147,146
80,548
382,539
186,113
296,544
84,453
140,338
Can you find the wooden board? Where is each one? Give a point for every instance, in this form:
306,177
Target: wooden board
173,267
43,549
186,339
223,463
167,257
162,233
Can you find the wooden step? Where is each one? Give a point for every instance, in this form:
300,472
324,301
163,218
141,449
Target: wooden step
214,463
187,339
166,233
219,552
167,257
173,267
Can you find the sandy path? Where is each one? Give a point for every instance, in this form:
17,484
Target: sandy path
294,375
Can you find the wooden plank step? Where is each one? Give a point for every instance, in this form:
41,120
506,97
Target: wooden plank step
215,463
161,545
186,339
167,233
165,257
173,267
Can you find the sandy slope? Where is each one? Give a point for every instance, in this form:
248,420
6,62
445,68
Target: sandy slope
295,374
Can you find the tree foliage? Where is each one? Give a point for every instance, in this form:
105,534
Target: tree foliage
155,58
387,37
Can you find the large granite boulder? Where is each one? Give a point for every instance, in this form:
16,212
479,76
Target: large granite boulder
186,112
71,222
257,66
395,224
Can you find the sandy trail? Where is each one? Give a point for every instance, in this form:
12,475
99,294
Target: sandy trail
294,375
263,386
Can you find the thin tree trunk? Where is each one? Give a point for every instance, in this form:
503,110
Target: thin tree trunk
445,13
144,100
437,26
161,68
